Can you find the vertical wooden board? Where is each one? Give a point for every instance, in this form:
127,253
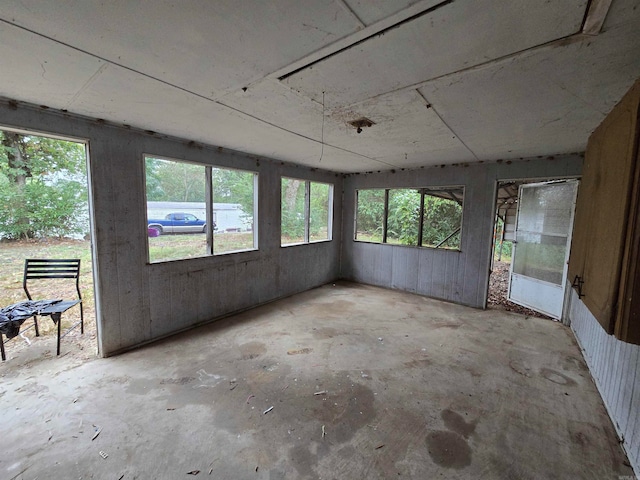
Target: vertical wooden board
129,240
438,288
632,443
425,272
627,413
384,266
106,250
184,298
620,391
160,307
353,267
453,294
206,300
607,362
602,209
480,194
412,266
404,273
617,378
612,375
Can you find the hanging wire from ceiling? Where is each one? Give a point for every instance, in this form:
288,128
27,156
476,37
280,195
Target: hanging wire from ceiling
322,131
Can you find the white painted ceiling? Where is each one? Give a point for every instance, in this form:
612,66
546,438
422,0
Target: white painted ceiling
444,81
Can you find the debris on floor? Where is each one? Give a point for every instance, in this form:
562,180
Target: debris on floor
499,290
267,410
103,454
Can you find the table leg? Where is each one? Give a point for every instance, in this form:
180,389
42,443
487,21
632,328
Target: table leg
56,318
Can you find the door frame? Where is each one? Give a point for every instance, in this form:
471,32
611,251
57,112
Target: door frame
527,180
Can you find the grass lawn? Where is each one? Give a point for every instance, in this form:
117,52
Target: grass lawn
12,256
174,247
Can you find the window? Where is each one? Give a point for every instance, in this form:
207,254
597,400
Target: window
178,206
307,211
425,217
234,210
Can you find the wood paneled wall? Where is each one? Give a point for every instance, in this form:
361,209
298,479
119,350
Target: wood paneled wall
456,276
615,367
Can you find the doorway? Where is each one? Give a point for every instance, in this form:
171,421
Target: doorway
521,298
45,213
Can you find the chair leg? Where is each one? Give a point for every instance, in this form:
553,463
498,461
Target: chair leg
4,357
81,318
35,322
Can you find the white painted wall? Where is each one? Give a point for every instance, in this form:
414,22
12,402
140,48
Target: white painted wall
615,367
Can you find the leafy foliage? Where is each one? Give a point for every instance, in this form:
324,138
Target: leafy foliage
293,210
43,187
403,222
169,181
370,214
442,217
234,186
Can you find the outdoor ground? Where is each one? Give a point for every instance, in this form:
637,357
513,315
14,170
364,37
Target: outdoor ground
498,290
12,256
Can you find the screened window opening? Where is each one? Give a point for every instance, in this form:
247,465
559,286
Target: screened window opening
184,200
421,217
307,211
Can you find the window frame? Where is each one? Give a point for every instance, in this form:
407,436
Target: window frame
307,212
209,207
424,191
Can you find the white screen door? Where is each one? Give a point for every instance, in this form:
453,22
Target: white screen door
541,250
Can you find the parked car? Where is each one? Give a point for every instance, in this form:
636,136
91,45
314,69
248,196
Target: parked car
178,222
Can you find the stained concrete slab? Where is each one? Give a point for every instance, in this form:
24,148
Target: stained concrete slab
364,383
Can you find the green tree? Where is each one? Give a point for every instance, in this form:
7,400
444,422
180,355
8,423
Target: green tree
442,217
234,186
43,187
293,209
169,181
370,214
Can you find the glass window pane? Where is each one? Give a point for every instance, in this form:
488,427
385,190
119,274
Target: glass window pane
175,189
540,256
442,217
403,221
544,209
293,211
233,210
319,211
370,215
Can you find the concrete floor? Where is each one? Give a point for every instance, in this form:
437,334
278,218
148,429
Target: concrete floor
415,388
